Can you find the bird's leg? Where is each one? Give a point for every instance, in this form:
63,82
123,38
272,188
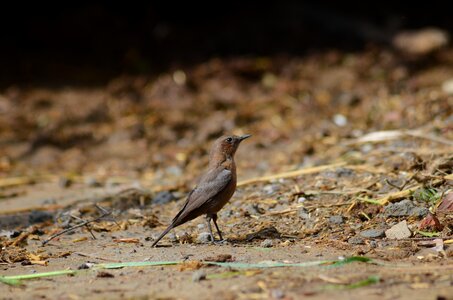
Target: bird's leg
214,219
208,220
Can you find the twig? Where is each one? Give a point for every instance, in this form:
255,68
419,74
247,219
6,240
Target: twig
104,211
291,174
84,223
87,226
401,194
96,257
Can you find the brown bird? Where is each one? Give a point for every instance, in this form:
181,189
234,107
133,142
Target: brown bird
215,188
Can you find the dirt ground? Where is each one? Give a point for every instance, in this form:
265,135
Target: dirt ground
350,154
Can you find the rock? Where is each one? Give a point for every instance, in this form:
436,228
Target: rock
198,276
38,216
201,226
64,182
420,42
340,120
336,220
163,198
172,237
254,210
356,240
267,243
103,274
403,209
301,199
204,237
271,188
277,294
304,214
372,233
399,231
91,182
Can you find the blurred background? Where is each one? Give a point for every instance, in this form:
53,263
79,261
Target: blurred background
142,89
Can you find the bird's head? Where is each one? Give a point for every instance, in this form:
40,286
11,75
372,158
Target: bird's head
226,145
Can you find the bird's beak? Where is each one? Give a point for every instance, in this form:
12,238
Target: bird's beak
243,137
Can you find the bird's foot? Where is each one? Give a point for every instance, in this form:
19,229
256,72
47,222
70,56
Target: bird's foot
220,242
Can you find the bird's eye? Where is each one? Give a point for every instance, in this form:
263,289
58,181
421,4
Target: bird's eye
229,140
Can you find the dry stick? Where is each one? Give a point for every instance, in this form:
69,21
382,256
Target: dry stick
96,257
87,226
401,194
84,223
291,174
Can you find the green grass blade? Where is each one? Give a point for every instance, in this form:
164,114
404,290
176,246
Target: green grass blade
10,281
39,275
428,234
369,281
135,264
362,283
239,265
351,259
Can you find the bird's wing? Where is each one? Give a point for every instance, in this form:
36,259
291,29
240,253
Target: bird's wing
210,185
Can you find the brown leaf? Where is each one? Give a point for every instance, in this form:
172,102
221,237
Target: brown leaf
446,204
220,258
127,240
103,274
430,222
190,265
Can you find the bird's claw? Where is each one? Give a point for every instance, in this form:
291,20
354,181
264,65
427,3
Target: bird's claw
220,242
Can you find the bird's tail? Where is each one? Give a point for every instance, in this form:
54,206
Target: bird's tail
162,235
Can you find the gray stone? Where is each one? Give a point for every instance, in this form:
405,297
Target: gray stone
163,197
336,219
271,188
267,243
37,216
277,294
92,182
304,214
399,231
172,237
204,237
403,209
198,276
372,233
356,240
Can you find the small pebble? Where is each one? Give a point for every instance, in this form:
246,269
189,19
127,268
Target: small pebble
372,233
336,219
355,240
399,231
172,237
201,226
204,237
277,294
340,120
64,182
163,198
301,199
91,182
198,276
267,243
304,214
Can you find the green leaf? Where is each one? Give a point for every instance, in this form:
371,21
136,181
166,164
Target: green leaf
135,264
351,259
270,264
10,281
369,281
428,234
40,275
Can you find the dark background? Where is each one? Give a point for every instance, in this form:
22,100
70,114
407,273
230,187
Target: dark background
89,43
